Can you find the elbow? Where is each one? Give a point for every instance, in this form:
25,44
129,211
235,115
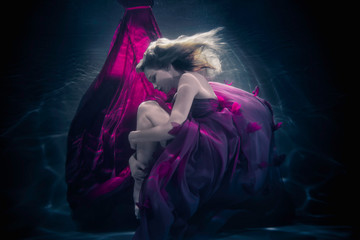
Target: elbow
177,119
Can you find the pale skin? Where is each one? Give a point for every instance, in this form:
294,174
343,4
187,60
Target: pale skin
154,123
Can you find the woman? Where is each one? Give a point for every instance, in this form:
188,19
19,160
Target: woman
205,156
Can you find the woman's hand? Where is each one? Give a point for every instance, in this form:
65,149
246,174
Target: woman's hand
132,139
137,168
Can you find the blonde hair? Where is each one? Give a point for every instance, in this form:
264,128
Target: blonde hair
186,53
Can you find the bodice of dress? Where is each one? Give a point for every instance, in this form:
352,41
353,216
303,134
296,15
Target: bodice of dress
203,107
136,3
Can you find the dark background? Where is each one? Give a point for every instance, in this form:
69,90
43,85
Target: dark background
298,52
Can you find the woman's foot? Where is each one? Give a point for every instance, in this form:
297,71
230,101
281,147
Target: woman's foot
137,212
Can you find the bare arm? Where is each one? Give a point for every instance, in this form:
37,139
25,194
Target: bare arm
187,90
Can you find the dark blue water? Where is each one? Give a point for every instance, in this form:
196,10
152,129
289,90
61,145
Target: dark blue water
55,49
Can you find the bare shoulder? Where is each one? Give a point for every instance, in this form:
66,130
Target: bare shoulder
189,79
200,83
187,76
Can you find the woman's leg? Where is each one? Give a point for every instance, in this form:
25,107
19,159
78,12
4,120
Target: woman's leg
149,115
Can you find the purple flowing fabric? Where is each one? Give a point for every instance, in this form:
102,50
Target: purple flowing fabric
222,158
98,148
221,162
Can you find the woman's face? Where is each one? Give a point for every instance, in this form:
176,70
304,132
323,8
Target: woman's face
162,79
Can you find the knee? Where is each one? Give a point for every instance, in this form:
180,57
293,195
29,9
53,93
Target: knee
143,115
150,111
146,106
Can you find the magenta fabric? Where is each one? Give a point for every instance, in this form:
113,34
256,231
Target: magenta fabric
222,156
98,149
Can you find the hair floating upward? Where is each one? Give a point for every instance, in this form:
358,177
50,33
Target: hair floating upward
187,53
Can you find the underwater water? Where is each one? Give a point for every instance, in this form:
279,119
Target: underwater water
57,48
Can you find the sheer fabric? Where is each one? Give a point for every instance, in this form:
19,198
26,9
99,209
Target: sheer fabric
221,162
222,157
98,149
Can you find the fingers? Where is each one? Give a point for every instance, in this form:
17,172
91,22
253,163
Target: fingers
138,169
133,164
136,165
